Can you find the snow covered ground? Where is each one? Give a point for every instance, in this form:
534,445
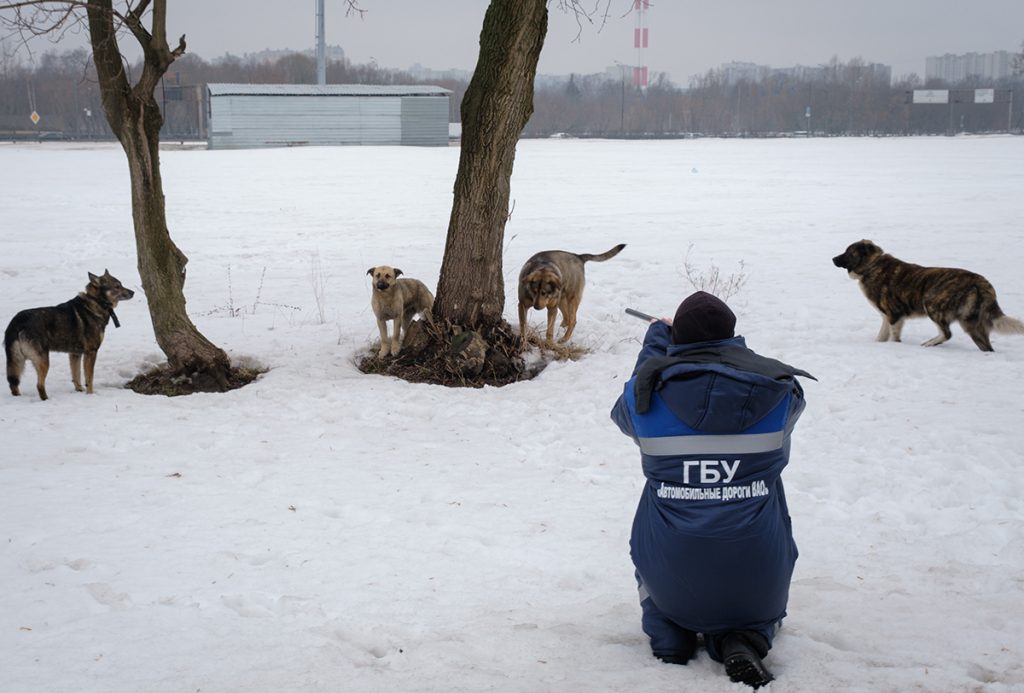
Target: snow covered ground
325,530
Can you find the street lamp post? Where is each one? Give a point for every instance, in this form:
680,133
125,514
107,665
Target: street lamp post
622,110
1009,114
950,128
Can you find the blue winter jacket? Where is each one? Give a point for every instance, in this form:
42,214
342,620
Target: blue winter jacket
712,540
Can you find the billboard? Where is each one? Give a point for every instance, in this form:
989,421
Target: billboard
984,96
931,96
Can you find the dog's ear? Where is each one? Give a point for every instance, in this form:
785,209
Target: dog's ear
868,249
370,271
398,272
93,279
106,272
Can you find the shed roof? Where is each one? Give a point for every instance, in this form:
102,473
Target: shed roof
326,90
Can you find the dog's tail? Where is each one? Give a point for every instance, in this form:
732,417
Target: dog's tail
1004,324
15,359
587,257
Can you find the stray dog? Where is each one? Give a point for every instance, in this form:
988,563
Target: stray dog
398,300
554,279
901,290
75,327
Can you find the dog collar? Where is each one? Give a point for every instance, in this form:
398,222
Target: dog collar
109,307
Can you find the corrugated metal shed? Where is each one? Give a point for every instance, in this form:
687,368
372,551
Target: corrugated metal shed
279,115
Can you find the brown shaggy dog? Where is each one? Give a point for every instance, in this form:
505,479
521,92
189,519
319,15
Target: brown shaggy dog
901,290
554,279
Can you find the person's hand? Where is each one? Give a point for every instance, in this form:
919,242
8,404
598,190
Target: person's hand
667,321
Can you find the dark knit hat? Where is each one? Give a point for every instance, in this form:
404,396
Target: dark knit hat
702,317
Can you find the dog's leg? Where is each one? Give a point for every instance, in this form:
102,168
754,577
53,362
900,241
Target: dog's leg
552,314
90,366
406,321
396,337
522,320
76,370
385,343
944,334
41,362
569,320
979,334
883,331
568,333
896,329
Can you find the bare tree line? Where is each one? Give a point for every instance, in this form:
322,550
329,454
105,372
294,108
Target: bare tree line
62,88
848,101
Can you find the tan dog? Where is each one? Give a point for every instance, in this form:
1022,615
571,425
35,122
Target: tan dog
554,279
398,300
901,290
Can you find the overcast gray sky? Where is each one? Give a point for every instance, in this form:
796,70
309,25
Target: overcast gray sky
687,37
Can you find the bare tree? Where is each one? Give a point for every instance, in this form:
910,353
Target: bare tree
135,118
469,341
497,104
495,109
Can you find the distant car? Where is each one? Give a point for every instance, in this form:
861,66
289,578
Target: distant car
52,136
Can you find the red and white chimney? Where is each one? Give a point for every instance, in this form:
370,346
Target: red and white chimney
640,41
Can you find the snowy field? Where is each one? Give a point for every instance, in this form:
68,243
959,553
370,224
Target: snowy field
324,530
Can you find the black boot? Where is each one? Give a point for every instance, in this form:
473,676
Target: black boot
743,661
682,655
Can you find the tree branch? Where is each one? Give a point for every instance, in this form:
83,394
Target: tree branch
133,20
34,18
160,29
110,72
157,54
37,3
352,7
584,15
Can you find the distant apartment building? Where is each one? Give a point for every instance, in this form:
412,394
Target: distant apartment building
956,68
452,73
733,73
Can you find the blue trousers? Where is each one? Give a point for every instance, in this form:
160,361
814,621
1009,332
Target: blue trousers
668,638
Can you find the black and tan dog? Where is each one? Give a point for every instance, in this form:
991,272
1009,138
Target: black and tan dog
901,290
75,327
554,279
398,300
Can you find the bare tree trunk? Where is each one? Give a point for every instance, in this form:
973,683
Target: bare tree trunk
495,109
161,264
135,118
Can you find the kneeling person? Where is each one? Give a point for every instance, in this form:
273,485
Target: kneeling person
712,541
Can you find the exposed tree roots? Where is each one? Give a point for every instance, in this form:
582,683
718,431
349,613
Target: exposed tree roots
447,354
162,380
